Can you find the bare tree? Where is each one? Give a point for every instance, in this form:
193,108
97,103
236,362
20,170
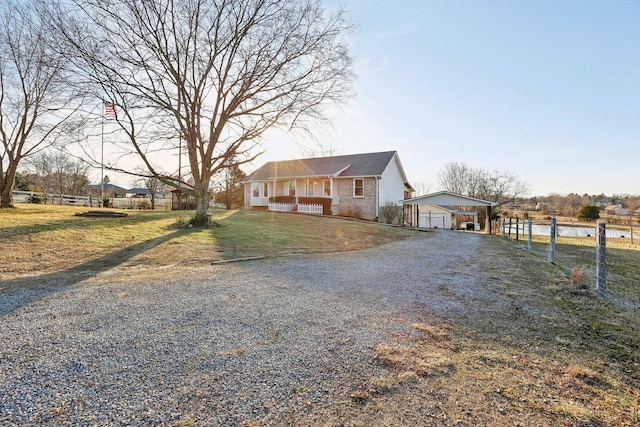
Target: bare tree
317,149
421,188
57,172
495,186
455,177
34,104
214,73
227,187
154,185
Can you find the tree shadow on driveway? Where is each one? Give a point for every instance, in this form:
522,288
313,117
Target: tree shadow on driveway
16,293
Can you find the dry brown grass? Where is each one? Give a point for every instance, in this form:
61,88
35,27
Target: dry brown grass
575,363
468,379
579,277
39,239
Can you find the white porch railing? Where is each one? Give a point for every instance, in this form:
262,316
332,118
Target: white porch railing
310,208
281,207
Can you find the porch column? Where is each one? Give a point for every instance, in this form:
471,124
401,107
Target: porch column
331,191
378,198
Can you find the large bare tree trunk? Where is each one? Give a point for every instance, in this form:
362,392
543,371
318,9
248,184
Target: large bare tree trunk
7,185
202,202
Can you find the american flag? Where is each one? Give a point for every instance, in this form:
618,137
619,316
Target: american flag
109,109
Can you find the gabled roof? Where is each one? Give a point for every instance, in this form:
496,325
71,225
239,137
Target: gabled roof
141,190
107,186
455,211
614,207
353,165
447,198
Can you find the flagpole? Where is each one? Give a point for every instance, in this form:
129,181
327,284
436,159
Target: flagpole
102,156
180,170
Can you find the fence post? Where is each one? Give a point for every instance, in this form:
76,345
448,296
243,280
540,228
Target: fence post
504,222
510,219
530,229
517,229
601,255
552,241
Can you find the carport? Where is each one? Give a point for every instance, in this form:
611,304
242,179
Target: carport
412,206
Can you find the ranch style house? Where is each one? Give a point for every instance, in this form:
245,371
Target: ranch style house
355,185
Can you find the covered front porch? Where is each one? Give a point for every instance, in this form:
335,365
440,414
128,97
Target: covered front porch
306,195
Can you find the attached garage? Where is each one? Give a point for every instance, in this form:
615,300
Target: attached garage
437,210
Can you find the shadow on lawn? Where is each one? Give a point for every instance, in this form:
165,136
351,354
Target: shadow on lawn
22,291
72,221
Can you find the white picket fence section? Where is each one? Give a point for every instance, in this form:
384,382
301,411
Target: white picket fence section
281,207
310,208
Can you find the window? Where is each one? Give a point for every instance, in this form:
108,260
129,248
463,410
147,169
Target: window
292,188
358,187
326,185
265,190
255,189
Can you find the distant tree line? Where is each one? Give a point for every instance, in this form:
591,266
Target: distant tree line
570,204
495,186
53,172
508,191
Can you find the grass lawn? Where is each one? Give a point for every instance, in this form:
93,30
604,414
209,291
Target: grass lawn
37,239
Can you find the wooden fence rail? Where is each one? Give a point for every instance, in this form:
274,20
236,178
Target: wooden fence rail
52,199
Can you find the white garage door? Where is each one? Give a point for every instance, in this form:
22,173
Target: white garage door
431,221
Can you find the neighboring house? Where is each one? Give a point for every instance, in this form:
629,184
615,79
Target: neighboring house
543,206
355,185
616,210
142,192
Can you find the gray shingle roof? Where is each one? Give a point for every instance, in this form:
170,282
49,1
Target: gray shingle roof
353,165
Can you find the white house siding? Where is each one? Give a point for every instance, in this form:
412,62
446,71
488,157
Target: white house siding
313,187
391,184
262,199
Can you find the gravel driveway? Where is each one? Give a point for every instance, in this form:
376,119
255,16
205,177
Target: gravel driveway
225,344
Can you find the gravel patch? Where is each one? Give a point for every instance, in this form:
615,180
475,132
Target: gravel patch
226,344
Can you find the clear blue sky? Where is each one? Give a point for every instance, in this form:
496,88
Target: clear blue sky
549,90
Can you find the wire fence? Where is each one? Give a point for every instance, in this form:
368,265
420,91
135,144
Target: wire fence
604,258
